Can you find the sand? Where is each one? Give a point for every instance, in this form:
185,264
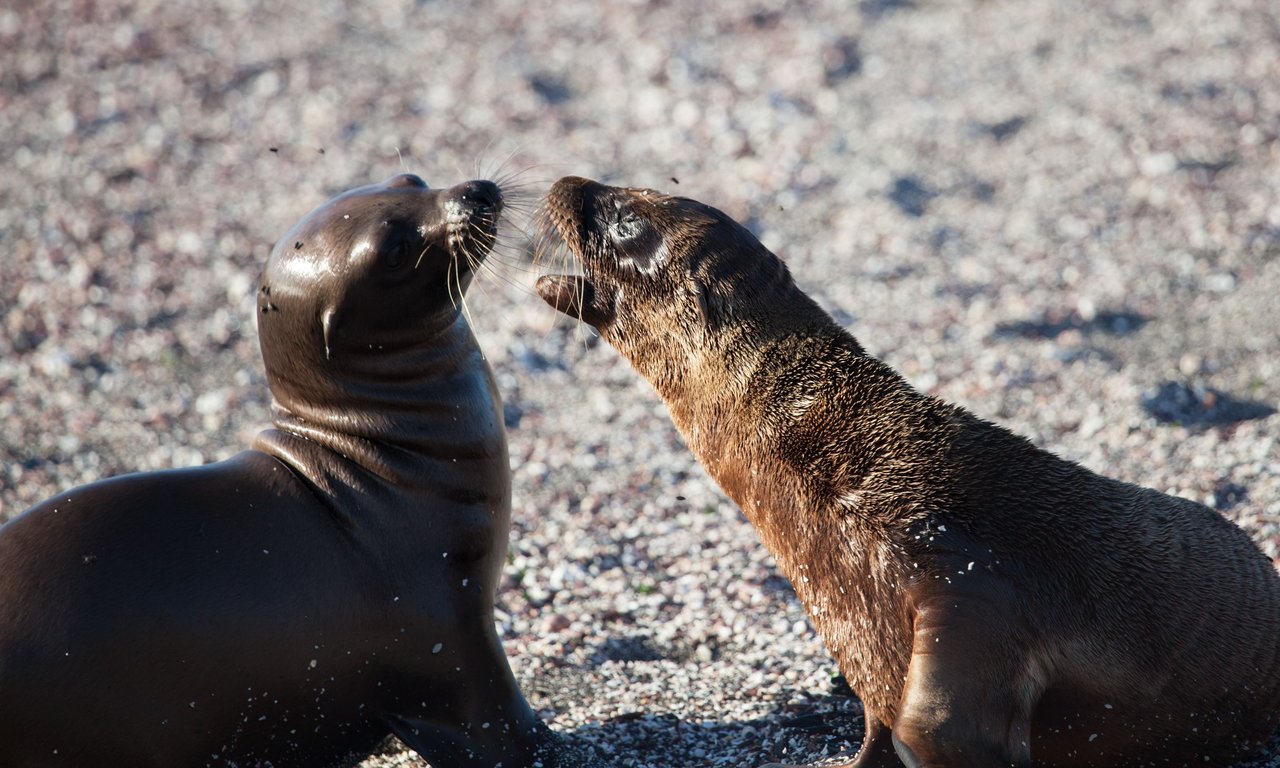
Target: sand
1064,216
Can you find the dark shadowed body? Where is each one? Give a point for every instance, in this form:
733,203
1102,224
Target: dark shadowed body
990,603
294,604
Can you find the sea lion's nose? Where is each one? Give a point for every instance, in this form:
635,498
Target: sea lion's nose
406,180
479,194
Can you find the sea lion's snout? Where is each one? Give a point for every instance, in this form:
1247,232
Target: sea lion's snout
571,187
477,197
471,210
571,211
478,202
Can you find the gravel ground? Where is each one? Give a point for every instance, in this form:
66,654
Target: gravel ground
1065,216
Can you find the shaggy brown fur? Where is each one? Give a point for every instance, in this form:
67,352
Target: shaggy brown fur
988,601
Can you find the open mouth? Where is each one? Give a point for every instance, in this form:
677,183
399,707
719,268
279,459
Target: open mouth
569,293
562,234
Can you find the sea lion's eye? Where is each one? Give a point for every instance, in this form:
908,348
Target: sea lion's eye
397,244
627,225
396,254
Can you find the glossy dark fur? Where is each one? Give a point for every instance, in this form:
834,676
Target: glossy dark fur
297,602
989,602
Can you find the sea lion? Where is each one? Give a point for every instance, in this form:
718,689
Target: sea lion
990,603
294,604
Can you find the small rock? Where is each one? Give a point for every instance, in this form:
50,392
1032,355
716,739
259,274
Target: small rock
556,622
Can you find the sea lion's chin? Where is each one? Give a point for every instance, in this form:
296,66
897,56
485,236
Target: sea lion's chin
573,295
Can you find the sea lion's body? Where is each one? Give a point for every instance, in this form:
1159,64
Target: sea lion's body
226,613
990,603
297,602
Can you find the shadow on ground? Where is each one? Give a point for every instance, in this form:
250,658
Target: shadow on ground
1051,326
830,726
1197,405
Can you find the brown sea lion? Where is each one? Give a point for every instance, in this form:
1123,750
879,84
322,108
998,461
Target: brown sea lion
990,603
294,604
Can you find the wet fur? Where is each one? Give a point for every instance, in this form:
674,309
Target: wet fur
990,603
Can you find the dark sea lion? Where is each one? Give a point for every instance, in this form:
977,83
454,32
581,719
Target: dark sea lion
294,604
990,603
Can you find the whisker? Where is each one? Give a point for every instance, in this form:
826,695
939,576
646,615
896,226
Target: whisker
462,294
476,173
500,253
518,184
547,239
448,284
453,281
498,170
521,205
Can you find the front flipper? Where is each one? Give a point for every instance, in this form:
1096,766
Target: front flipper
462,708
969,695
448,745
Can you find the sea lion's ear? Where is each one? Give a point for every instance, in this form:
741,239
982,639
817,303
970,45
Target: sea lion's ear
329,323
699,292
572,295
710,305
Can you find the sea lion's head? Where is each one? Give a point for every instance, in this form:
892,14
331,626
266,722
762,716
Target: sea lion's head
376,270
666,280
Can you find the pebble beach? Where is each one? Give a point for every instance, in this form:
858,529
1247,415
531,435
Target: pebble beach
1063,216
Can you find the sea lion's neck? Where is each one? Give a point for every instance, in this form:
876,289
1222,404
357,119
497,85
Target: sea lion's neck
766,375
417,419
790,433
787,420
782,404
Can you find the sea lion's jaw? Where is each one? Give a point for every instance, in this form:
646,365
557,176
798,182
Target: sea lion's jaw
573,295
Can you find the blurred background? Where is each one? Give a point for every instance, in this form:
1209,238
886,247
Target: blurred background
1064,216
